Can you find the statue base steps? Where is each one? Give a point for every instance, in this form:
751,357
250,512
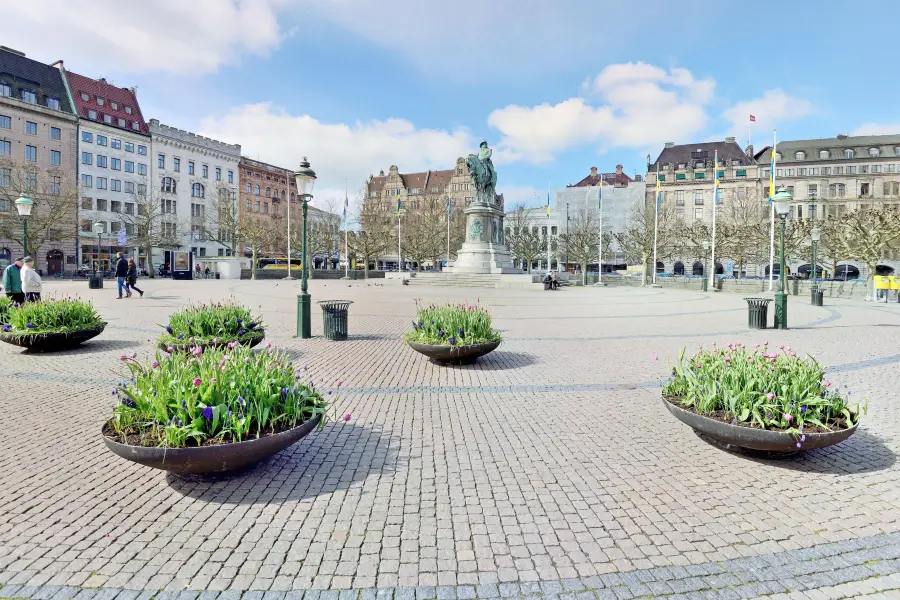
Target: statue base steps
517,280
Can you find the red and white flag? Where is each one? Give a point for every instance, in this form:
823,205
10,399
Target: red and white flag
752,119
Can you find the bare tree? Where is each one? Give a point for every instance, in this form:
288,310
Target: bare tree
864,235
425,229
221,222
374,235
152,222
581,241
636,239
53,214
522,237
258,234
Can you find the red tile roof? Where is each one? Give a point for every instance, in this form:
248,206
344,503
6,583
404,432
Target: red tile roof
99,88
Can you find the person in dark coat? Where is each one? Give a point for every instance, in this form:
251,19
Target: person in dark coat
121,275
12,281
132,277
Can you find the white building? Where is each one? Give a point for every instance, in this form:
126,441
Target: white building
187,171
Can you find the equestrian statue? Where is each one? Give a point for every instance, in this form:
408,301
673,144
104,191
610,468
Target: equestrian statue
483,175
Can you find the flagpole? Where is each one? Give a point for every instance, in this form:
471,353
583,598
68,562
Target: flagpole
549,186
346,235
448,231
712,260
600,245
399,236
656,221
772,216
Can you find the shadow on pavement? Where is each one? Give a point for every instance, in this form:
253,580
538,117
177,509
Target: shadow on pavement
92,346
499,360
336,458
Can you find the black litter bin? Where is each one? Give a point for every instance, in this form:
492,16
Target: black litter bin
218,275
334,313
757,312
95,282
817,297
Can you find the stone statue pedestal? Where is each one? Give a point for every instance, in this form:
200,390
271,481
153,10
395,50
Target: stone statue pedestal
483,251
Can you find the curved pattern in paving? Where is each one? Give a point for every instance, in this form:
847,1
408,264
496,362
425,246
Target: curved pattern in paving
549,467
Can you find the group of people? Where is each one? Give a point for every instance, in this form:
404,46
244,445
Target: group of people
21,282
126,276
550,281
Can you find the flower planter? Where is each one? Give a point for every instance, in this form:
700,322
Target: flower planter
50,342
211,459
751,438
251,342
458,354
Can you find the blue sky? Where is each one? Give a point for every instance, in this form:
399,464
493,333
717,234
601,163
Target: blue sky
555,88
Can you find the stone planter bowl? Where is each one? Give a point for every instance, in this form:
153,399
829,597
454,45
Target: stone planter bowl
457,355
50,342
255,341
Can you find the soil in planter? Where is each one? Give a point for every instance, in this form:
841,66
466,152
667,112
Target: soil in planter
725,417
133,437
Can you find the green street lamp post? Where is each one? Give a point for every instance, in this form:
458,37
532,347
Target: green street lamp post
815,235
23,206
306,179
782,207
704,283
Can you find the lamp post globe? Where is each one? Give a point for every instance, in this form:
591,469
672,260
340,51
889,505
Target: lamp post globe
23,206
306,179
782,201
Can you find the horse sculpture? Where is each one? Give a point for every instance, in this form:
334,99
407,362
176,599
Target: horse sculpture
481,168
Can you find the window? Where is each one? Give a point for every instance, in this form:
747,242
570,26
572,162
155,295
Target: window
864,169
168,206
129,187
116,185
660,177
275,209
55,158
826,170
100,101
230,176
799,211
129,147
812,190
698,214
848,153
115,206
5,90
801,171
101,204
266,208
142,150
679,214
161,161
30,128
258,205
116,164
5,148
55,133
92,115
197,210
268,192
205,172
168,185
680,177
129,208
4,178
789,172
876,168
86,180
31,153
850,170
101,161
741,173
292,196
87,204
170,230
101,140
107,119
30,181
800,155
838,170
121,122
115,144
129,166
142,169
814,170
864,189
141,189
87,136
6,122
248,202
699,175
190,167
698,197
29,96
101,183
823,154
679,198
218,174
249,188
86,226
257,190
176,164
197,191
874,152
127,109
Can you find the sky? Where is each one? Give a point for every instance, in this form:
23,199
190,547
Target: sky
554,87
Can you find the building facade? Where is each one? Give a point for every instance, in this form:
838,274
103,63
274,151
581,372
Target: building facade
188,174
38,132
114,168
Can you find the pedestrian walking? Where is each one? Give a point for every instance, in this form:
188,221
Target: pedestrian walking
206,272
12,281
31,281
132,277
121,275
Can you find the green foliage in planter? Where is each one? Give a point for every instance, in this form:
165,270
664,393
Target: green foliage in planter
6,305
52,316
452,325
760,388
211,397
225,322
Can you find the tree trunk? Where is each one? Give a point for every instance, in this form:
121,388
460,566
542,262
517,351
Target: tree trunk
149,251
253,264
584,272
646,259
870,281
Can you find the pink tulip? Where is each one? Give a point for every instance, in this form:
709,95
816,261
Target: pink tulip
770,396
155,364
655,357
781,346
347,417
827,384
787,417
766,343
793,354
212,380
197,382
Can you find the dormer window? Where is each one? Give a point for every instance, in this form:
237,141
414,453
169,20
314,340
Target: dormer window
121,122
896,150
92,114
100,101
778,156
29,96
699,164
682,165
114,105
874,152
5,89
135,125
848,153
823,154
107,119
85,96
53,103
800,155
127,109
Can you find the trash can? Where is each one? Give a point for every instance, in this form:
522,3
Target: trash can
218,275
895,286
882,287
757,312
334,313
817,297
795,286
95,282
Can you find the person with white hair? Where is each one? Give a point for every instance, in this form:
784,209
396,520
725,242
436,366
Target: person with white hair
31,281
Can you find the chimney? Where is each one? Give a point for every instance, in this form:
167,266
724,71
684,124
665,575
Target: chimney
637,177
749,151
670,144
593,171
729,140
840,136
102,80
133,91
12,50
618,170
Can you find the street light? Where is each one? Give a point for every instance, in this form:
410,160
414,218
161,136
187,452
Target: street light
24,205
782,207
815,235
704,284
306,179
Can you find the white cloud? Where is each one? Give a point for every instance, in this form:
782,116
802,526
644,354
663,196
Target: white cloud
877,129
185,37
641,105
337,151
772,109
516,195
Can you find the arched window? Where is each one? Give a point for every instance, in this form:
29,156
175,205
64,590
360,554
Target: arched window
800,155
257,189
896,149
848,153
823,154
5,257
198,191
168,185
268,192
283,195
678,269
292,196
249,188
874,152
697,268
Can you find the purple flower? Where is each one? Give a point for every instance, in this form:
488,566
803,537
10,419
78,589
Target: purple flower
460,332
128,402
347,417
242,332
197,382
155,364
452,340
803,409
184,404
180,336
441,333
169,329
6,328
803,438
30,325
284,393
252,325
207,413
415,325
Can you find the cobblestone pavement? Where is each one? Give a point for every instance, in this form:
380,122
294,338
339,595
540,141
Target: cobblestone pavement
548,469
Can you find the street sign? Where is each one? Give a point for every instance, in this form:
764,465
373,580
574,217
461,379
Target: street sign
123,238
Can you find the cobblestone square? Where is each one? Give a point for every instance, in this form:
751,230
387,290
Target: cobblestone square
550,468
